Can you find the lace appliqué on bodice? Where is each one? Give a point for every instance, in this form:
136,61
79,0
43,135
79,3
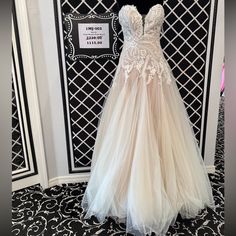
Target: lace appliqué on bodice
150,65
141,48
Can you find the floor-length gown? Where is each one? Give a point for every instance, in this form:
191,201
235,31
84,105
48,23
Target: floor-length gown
146,166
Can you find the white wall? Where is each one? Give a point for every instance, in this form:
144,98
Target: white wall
41,18
214,97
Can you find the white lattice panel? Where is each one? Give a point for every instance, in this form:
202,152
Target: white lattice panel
18,158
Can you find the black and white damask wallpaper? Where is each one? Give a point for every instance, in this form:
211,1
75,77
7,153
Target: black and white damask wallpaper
86,82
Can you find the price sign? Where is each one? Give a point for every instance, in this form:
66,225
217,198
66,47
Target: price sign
91,35
94,35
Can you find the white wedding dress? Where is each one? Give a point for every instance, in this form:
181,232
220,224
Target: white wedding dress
146,166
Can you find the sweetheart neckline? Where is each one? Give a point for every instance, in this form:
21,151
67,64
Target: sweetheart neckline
143,21
136,9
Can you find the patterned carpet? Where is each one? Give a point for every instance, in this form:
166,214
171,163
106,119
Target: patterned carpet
57,211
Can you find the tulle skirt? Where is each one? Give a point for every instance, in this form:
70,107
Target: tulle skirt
146,165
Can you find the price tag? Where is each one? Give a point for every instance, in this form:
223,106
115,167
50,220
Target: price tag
91,35
94,35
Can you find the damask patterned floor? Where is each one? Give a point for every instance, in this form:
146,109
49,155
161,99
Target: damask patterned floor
57,211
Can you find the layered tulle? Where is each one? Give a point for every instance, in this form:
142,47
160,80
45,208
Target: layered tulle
146,165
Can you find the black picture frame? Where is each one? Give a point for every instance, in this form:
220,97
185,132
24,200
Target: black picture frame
73,49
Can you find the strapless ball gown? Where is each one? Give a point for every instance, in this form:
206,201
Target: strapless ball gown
146,165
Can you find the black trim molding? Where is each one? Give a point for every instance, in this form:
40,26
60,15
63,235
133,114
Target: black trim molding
23,99
209,77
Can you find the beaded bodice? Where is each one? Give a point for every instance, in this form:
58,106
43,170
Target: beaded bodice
141,48
133,26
